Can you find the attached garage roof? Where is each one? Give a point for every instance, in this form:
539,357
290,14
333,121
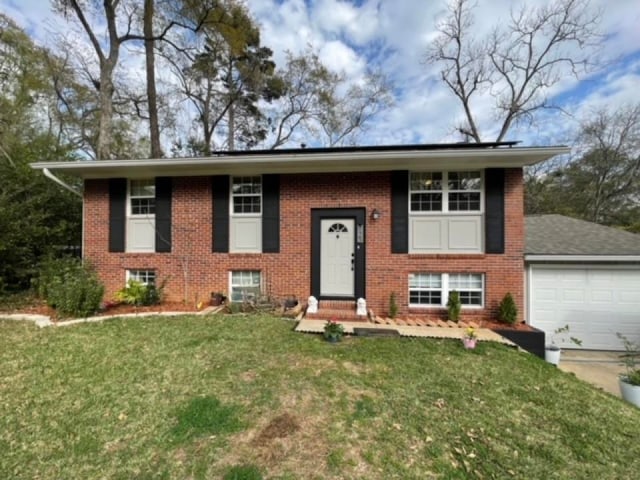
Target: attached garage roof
317,160
560,238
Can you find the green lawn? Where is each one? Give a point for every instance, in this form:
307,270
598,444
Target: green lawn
196,397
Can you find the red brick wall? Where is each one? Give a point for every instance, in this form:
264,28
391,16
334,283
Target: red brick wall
288,272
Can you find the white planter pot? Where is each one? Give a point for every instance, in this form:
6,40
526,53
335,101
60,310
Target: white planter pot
631,393
552,356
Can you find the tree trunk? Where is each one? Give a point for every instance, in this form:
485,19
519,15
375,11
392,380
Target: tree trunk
154,128
106,108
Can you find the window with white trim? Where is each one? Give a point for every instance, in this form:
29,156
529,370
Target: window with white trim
245,285
148,277
246,195
445,192
142,197
433,289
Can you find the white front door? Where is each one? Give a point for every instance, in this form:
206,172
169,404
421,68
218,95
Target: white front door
337,257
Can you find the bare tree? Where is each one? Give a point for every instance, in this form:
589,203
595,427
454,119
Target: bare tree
518,63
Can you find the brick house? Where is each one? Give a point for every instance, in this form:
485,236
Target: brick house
337,223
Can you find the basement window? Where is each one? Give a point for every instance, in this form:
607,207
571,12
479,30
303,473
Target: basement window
245,285
433,289
147,277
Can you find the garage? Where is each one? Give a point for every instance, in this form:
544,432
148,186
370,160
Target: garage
583,275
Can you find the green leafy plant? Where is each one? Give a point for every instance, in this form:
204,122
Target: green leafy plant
558,337
630,360
507,310
333,330
138,294
393,305
70,286
243,472
454,306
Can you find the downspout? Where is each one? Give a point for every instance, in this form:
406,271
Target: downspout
51,176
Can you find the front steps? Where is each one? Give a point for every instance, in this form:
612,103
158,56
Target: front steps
339,310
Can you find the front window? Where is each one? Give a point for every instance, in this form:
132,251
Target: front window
147,277
433,289
245,285
445,191
142,197
246,195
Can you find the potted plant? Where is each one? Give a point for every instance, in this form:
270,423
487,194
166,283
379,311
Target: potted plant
630,379
469,338
333,331
552,350
218,298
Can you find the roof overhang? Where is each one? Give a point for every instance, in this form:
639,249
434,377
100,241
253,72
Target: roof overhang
301,161
582,258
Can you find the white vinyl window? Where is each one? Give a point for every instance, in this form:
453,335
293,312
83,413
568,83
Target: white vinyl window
246,195
142,197
245,285
433,289
148,277
445,192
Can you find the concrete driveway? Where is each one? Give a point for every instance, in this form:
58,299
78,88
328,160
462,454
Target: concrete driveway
596,367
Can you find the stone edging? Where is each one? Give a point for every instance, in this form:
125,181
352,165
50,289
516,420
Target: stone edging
45,321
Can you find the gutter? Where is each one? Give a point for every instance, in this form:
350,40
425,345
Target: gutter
567,258
51,176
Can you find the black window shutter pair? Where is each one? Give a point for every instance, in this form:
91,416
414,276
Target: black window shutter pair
118,213
494,211
270,213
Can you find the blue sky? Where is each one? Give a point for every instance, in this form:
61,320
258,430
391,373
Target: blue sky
393,35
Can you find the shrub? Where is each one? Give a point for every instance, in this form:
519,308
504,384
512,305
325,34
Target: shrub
70,286
393,305
454,306
138,294
243,472
507,311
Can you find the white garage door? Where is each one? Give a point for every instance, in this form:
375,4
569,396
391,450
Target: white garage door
595,302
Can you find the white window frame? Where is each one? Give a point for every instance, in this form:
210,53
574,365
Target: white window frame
445,290
136,273
445,191
131,197
233,196
238,285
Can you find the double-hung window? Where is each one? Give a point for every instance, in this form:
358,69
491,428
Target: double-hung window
245,285
445,212
445,191
433,289
141,218
147,277
246,194
246,215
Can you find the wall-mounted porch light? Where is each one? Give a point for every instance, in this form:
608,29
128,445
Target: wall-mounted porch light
375,214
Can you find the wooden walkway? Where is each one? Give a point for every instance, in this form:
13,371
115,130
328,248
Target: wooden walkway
484,334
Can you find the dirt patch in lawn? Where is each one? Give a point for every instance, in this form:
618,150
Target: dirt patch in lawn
280,427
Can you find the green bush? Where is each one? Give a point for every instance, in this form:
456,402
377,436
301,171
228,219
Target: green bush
243,472
507,311
454,306
138,294
70,286
393,306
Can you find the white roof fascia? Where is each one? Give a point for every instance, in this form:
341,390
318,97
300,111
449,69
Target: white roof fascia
582,258
352,161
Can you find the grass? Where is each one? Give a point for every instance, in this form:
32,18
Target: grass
245,397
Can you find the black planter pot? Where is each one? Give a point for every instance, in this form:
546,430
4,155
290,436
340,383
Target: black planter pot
531,341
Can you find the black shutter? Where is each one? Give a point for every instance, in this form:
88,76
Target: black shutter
117,213
271,213
163,214
494,210
220,198
399,211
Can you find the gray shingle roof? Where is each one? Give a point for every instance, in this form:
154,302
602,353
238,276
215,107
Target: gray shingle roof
560,235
